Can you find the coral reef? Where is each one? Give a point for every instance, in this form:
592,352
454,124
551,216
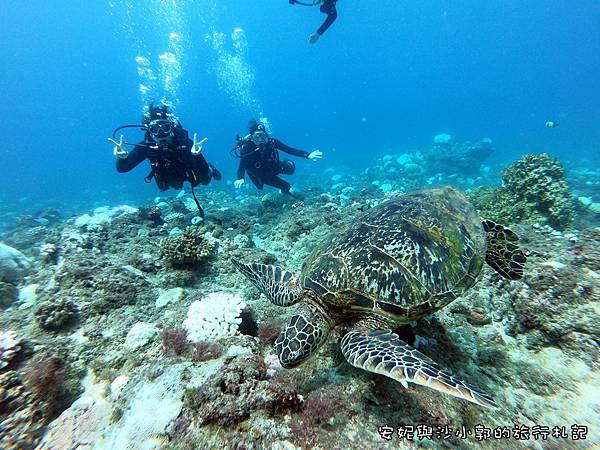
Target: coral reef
46,381
13,264
174,341
8,294
139,335
531,343
188,248
534,191
465,158
82,423
9,347
21,421
56,315
49,253
216,315
240,388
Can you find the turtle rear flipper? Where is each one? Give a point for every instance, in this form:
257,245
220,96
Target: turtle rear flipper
382,352
503,254
280,286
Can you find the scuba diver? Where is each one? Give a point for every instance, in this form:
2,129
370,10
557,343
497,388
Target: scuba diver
173,156
259,156
327,7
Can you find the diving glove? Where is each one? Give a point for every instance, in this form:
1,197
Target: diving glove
315,155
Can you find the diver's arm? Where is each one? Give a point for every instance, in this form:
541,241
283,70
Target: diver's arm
292,151
136,156
241,172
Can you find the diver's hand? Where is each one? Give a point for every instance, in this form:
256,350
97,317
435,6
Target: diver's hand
315,155
197,147
313,38
239,183
119,151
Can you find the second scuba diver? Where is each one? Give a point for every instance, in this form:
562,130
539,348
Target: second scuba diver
173,156
259,157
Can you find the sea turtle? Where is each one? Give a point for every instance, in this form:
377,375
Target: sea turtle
398,262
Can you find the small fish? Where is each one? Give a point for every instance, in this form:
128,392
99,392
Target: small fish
551,124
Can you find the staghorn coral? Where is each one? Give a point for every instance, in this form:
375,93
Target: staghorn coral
534,191
187,248
56,315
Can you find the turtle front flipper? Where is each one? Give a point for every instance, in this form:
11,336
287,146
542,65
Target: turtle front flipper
382,352
280,286
503,254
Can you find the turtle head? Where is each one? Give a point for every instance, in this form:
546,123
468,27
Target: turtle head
304,333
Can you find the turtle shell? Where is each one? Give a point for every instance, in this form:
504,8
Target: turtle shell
403,259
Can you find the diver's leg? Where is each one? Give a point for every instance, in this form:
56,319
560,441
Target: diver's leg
203,171
214,172
256,179
277,182
287,167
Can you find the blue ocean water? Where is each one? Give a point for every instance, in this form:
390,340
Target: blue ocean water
385,78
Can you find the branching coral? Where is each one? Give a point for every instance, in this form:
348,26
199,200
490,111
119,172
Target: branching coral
215,316
188,248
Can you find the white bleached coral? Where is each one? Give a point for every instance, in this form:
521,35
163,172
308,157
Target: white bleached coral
9,346
215,316
103,216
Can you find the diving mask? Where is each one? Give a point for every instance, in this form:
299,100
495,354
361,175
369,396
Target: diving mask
259,137
160,128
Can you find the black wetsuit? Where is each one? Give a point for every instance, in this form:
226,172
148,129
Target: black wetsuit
263,163
328,7
172,163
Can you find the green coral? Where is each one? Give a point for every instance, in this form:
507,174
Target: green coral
534,191
188,248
